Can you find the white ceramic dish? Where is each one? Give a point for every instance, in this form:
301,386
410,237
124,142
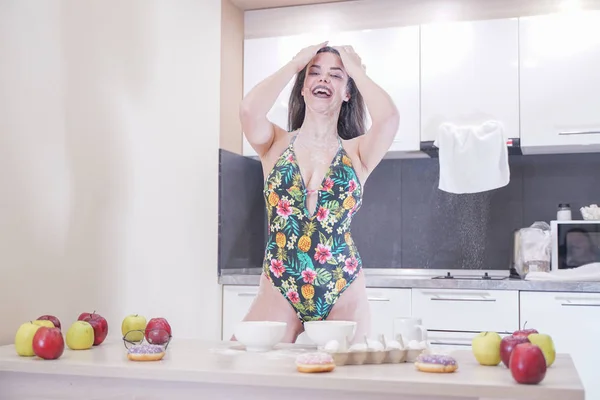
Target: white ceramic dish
321,332
591,212
259,336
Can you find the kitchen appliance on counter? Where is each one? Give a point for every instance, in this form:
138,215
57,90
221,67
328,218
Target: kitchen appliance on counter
574,243
531,250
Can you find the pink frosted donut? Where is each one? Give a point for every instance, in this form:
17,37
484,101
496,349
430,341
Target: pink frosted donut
315,362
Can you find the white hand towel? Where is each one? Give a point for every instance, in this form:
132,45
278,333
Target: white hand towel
472,159
584,273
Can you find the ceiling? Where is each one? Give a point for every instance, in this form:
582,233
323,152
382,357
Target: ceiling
259,4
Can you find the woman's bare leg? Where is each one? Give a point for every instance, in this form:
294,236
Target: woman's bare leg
353,305
270,305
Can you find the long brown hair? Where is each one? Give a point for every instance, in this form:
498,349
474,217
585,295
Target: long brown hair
351,121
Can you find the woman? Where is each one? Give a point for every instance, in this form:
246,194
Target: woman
314,179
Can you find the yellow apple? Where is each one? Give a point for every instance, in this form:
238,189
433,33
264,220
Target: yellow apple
486,348
43,322
80,336
544,342
133,322
24,339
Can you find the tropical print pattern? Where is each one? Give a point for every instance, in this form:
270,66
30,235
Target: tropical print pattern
311,259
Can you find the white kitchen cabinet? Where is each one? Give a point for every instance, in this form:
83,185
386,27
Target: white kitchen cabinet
469,75
469,310
236,303
559,83
397,73
573,321
387,304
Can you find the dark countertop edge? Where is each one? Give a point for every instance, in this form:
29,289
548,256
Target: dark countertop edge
394,279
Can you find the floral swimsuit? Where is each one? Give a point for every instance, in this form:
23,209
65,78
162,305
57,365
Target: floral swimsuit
311,259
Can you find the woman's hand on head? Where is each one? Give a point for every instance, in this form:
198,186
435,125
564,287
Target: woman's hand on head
351,60
306,54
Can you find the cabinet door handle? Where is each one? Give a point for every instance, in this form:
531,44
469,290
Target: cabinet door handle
378,299
580,304
579,133
483,299
246,294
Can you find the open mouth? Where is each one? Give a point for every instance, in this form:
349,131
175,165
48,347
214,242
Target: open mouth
322,92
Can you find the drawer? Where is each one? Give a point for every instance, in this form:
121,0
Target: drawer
236,303
467,310
447,342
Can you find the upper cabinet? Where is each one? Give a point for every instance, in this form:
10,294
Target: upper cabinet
470,75
560,83
397,72
537,76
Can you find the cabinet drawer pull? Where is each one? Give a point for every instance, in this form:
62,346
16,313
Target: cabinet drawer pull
449,344
580,304
579,133
461,299
246,294
378,299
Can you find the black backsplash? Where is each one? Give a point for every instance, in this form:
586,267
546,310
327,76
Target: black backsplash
407,222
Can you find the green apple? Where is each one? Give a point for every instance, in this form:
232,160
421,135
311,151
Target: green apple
80,336
544,342
24,339
133,322
43,322
486,348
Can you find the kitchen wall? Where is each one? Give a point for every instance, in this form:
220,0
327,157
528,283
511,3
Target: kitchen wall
232,74
407,222
109,137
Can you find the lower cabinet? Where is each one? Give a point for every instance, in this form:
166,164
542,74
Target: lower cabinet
385,304
573,321
236,303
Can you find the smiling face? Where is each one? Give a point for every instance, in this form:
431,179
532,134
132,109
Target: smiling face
325,84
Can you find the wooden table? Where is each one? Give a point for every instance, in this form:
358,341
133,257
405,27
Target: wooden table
193,369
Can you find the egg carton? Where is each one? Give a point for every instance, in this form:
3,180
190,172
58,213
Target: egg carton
390,356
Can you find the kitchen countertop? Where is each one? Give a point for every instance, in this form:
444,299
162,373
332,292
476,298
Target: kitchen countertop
396,278
202,362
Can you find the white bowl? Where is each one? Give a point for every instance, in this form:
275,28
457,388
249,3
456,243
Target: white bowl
591,212
321,332
259,335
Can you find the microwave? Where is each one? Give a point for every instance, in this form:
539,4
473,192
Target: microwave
574,243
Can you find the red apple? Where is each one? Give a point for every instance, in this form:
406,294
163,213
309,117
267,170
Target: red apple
527,364
48,343
158,331
99,324
52,319
524,332
507,345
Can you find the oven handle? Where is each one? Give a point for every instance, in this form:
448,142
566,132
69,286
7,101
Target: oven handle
579,133
580,304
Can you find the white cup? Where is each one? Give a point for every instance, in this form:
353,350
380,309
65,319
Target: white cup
410,329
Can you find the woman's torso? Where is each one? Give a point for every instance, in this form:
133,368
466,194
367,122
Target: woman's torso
310,253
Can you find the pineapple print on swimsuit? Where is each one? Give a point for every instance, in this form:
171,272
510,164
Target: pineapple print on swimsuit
311,259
